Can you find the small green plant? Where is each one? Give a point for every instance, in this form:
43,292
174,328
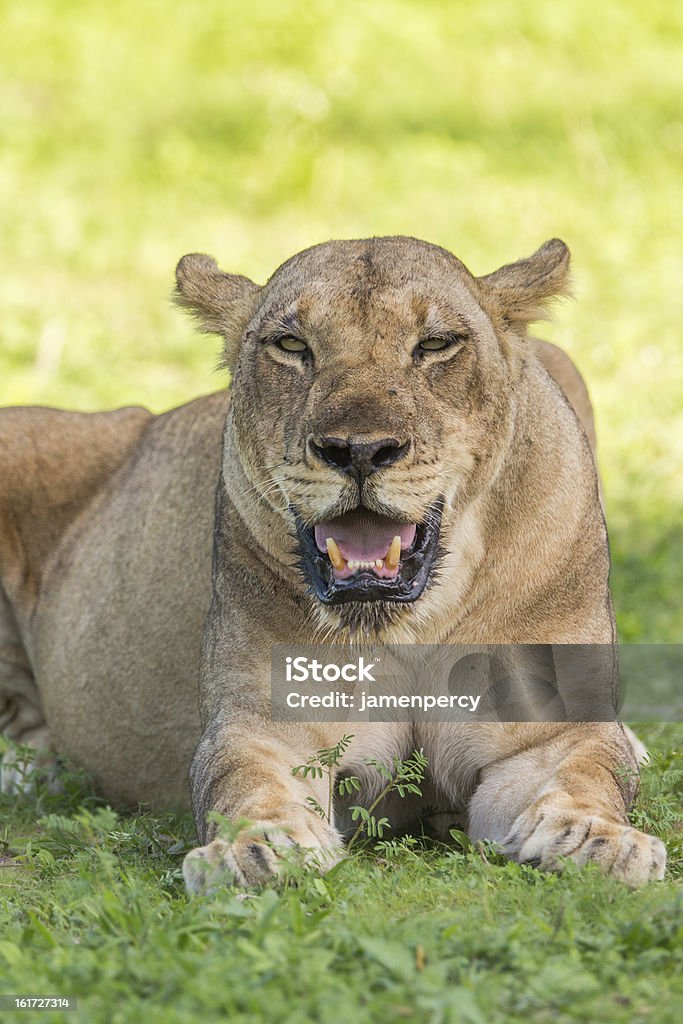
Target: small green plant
42,784
401,847
403,777
323,765
658,807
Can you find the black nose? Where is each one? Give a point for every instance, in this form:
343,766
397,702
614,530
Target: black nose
359,459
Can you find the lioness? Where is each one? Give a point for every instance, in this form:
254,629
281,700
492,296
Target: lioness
388,411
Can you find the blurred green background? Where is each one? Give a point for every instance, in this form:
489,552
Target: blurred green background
136,131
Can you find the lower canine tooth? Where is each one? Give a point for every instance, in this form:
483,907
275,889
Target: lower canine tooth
334,553
394,553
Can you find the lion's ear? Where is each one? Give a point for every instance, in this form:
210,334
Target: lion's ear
220,303
519,293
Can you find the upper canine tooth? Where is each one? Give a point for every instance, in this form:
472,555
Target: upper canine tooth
334,553
394,553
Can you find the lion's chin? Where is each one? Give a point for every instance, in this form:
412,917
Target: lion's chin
364,557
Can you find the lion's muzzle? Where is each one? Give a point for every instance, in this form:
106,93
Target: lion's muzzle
359,459
365,556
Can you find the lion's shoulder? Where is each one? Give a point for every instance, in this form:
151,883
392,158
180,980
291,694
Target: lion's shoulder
58,457
52,463
572,385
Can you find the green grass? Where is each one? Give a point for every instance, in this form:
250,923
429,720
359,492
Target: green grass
94,906
137,131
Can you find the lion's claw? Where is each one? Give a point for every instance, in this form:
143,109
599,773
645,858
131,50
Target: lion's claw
255,857
546,838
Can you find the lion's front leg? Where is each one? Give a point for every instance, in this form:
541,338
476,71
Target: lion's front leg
568,798
245,774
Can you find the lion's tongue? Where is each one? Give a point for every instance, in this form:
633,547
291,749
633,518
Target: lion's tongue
363,537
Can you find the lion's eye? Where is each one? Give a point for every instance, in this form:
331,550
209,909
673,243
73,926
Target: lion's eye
288,344
438,344
433,344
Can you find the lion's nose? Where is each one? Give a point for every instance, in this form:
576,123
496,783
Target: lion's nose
359,458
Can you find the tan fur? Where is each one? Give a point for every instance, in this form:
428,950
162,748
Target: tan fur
107,526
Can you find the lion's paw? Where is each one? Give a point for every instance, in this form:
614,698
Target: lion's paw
545,839
257,855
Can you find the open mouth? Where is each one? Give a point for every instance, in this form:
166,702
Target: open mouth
364,556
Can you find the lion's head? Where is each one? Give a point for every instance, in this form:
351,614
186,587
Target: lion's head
373,395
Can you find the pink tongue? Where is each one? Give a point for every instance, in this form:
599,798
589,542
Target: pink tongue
363,536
